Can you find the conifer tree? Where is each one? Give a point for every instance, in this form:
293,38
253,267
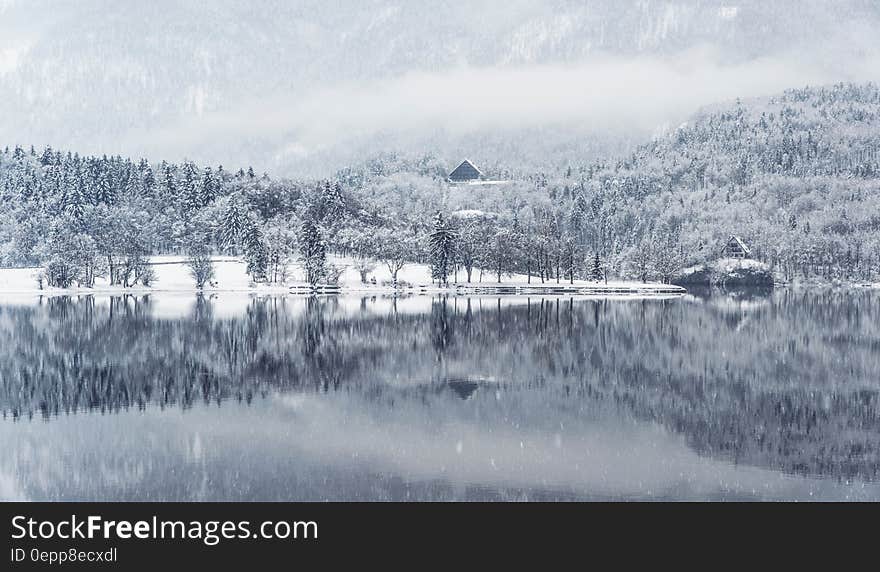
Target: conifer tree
256,252
209,187
190,191
442,244
596,268
313,252
233,227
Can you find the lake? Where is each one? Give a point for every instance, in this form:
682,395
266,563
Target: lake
736,396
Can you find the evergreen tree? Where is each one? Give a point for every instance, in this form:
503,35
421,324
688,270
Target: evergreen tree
579,213
104,191
47,157
168,190
148,186
234,223
313,252
256,252
442,244
132,187
333,203
76,200
190,189
596,268
209,187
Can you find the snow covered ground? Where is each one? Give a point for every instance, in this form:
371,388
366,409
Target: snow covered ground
172,275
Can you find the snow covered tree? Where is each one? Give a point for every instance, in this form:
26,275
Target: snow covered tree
148,181
394,248
256,252
210,187
71,256
198,259
313,252
280,244
596,268
333,202
501,251
234,224
471,241
105,191
364,266
641,259
442,244
168,185
190,190
668,259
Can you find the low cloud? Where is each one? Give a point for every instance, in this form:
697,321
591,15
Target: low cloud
610,93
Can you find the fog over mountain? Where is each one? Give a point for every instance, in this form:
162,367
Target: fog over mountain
308,87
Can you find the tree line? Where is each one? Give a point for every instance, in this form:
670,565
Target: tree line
795,175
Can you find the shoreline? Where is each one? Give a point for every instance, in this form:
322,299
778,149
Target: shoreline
623,290
173,276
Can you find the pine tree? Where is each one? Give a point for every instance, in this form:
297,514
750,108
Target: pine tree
209,187
442,244
190,189
47,157
233,226
579,213
132,187
313,252
596,269
104,191
168,191
148,186
256,252
333,202
76,199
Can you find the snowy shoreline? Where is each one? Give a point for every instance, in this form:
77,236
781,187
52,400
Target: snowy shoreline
172,276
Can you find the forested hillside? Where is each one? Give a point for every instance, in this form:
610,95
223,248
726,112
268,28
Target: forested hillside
797,176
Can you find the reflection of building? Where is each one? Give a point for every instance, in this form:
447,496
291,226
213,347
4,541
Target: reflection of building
463,388
465,172
735,248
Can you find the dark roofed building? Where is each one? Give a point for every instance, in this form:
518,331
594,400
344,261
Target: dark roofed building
466,171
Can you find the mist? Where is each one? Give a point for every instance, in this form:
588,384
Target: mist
635,96
305,88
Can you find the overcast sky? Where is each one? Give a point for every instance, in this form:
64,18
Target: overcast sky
274,83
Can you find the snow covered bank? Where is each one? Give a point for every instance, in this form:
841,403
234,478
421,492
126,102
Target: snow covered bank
172,275
727,272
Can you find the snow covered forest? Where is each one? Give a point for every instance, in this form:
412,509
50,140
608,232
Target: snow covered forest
797,174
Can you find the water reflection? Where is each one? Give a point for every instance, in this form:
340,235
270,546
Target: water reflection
711,396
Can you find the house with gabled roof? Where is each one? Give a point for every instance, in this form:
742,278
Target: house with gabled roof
735,248
465,172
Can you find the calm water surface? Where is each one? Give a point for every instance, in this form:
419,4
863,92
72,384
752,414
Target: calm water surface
235,397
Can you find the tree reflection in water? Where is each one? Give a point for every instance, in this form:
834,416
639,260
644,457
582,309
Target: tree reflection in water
785,380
